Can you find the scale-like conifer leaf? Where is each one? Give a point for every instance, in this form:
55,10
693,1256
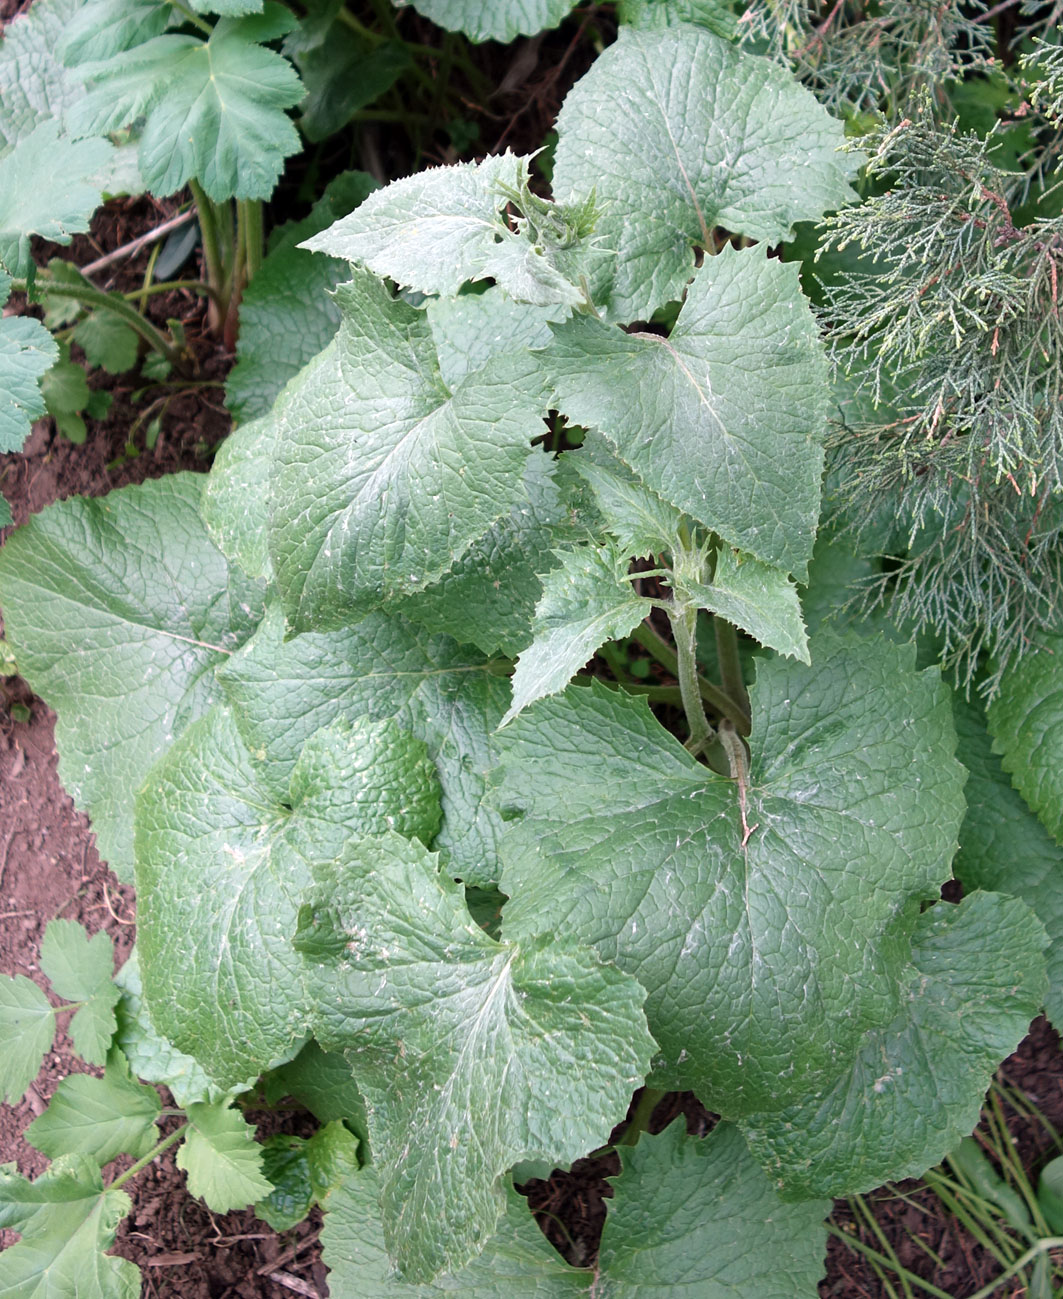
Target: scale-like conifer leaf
383,477
133,580
917,1085
223,862
677,132
397,968
767,954
723,418
444,693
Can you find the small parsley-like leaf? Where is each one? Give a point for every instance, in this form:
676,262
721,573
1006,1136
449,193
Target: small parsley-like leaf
99,1117
221,1158
27,1026
81,969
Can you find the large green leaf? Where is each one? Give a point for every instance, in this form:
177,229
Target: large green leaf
27,350
287,314
66,1220
472,329
495,20
917,1085
445,694
641,522
693,1217
97,29
397,968
35,87
488,598
677,132
717,15
1004,848
766,955
223,860
382,476
213,110
1026,722
586,602
235,502
724,417
134,582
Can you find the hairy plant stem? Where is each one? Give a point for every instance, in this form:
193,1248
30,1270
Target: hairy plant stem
154,1153
96,298
659,648
685,632
731,666
640,1120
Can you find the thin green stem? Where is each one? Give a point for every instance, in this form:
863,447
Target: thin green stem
654,694
659,648
191,16
97,299
249,215
859,1247
154,1153
685,632
730,664
640,1120
212,254
169,286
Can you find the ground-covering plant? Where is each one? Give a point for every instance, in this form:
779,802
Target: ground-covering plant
327,710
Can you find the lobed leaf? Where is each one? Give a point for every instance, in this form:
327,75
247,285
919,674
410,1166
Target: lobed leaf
81,969
677,133
917,1085
27,1025
98,1117
766,956
397,968
27,351
221,1158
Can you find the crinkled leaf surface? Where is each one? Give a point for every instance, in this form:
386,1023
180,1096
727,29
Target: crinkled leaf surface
1026,722
35,87
495,20
152,1056
764,964
99,1117
223,862
678,132
221,1158
66,1220
716,15
688,1217
917,1085
587,600
55,201
235,503
554,1037
133,580
1004,848
431,231
80,969
382,476
470,330
27,1026
699,1218
488,598
757,598
304,1172
321,1081
443,693
723,418
641,521
517,1260
287,314
214,110
438,229
27,350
